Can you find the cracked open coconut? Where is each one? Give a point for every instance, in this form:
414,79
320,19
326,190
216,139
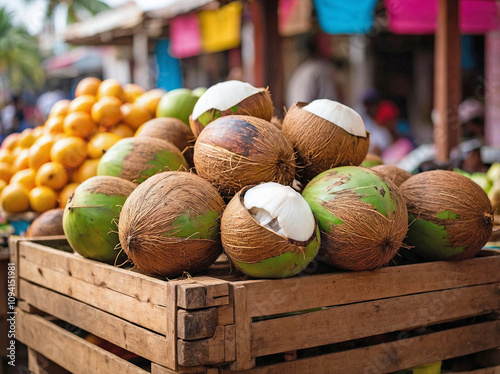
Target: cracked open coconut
269,231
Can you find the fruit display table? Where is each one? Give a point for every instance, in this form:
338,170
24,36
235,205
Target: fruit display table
382,321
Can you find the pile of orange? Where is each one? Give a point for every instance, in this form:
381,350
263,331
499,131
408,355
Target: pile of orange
41,167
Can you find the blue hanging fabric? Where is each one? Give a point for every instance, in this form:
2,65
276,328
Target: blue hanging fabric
169,68
345,17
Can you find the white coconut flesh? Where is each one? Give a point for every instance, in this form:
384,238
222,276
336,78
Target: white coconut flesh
223,96
339,114
280,209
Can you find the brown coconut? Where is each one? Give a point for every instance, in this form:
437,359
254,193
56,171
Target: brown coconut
156,213
173,130
48,223
236,151
258,105
320,144
392,173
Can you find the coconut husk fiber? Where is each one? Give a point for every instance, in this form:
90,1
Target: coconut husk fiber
152,218
392,173
321,145
236,151
429,193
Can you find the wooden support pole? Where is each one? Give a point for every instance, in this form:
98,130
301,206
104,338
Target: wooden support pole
140,53
447,79
268,60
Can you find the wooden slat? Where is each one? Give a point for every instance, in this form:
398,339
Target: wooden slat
359,320
69,351
122,333
203,292
268,297
171,326
393,356
122,305
39,364
14,259
202,351
197,324
243,329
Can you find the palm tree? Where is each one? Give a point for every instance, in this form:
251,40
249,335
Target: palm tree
19,57
75,8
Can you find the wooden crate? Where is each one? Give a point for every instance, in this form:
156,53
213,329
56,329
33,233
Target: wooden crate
220,322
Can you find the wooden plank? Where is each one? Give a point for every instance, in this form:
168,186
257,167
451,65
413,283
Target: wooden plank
39,364
202,351
268,297
197,324
171,326
396,355
128,307
342,323
203,292
14,259
69,351
225,314
115,330
243,330
158,369
229,343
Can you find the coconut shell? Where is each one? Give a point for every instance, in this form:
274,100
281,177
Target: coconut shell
172,130
237,151
48,223
450,215
170,224
393,173
247,242
320,144
259,105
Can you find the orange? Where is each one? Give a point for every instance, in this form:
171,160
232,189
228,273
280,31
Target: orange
26,139
134,115
38,131
10,141
69,152
79,124
15,198
26,177
60,108
54,125
66,193
132,91
2,185
6,156
82,103
51,174
106,112
150,99
122,130
39,153
86,170
42,198
6,171
21,161
111,87
100,143
87,86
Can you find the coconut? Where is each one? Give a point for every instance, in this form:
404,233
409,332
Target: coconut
362,217
393,173
89,219
170,224
236,151
178,103
48,223
325,134
494,196
450,216
173,130
371,160
269,231
227,98
138,158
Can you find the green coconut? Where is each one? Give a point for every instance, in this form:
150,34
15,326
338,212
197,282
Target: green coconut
138,158
269,242
171,224
89,219
362,217
372,160
450,216
178,103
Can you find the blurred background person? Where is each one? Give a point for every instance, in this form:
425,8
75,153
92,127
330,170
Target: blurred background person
12,116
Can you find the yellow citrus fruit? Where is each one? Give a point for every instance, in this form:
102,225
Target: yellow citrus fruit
66,193
38,131
79,124
150,99
39,153
22,160
132,91
2,185
53,175
111,87
26,177
6,171
54,125
100,143
134,115
6,156
82,103
122,130
87,86
15,198
106,112
26,139
60,108
42,198
10,141
86,170
69,152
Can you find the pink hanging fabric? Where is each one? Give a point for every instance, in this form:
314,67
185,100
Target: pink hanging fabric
185,36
